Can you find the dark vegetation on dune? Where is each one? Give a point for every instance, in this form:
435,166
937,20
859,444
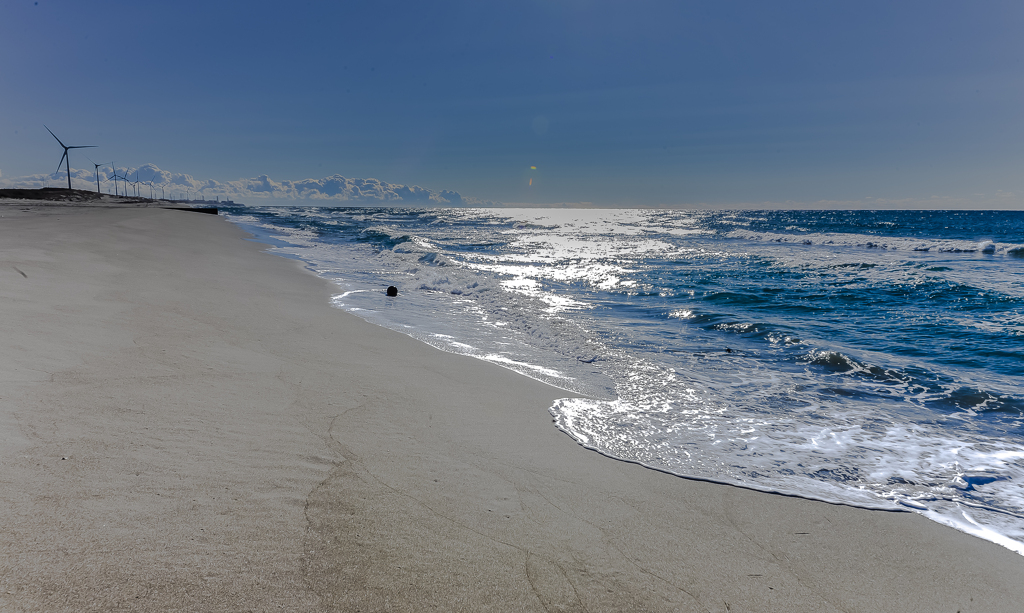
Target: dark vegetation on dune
62,194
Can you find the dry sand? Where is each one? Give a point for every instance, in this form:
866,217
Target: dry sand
187,425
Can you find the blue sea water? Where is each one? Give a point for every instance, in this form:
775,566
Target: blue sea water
859,357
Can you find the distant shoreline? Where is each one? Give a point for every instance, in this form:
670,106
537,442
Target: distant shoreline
60,194
60,197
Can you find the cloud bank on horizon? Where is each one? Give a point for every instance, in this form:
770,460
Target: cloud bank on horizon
334,188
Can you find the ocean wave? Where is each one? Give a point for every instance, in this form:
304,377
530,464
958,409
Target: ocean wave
910,467
881,242
435,259
455,285
384,237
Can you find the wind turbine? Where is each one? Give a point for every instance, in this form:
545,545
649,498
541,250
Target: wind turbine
97,175
114,172
124,178
66,156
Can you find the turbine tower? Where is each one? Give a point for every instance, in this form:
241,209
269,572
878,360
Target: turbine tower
66,156
114,172
124,179
97,175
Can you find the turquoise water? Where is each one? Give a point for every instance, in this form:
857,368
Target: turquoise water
866,358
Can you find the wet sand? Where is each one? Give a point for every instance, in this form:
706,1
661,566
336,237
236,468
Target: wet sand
186,424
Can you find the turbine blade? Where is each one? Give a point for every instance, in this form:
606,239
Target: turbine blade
61,160
54,135
83,146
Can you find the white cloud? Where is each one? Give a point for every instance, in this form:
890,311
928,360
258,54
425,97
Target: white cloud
334,188
80,179
337,189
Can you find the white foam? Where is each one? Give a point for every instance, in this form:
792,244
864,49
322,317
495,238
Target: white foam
879,242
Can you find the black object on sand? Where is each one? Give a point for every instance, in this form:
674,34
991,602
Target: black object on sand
392,291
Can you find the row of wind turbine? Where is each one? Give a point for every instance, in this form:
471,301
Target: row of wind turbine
66,161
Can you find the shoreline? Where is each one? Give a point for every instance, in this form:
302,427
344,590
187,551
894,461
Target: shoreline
977,519
233,441
308,266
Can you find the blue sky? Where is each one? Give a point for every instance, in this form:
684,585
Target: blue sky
615,103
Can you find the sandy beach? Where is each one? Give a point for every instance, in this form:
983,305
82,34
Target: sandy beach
186,424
